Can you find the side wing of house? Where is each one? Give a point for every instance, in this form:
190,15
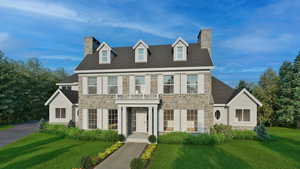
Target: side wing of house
235,108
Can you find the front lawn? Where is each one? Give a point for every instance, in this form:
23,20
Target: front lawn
6,126
46,151
283,153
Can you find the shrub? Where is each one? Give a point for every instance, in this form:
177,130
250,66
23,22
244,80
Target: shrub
42,123
121,137
86,162
261,133
95,160
76,133
221,129
137,163
173,138
205,139
110,150
71,124
152,139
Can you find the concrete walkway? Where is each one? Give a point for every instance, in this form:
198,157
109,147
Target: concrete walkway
122,157
18,131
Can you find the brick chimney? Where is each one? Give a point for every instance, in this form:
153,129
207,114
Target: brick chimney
90,45
204,38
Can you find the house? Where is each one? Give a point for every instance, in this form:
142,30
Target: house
150,89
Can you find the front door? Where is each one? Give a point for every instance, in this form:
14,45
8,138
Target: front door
141,120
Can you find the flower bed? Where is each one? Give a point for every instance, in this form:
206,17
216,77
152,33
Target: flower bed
143,161
78,134
88,162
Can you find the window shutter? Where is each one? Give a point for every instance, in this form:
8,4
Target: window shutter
183,84
183,120
105,85
131,85
200,120
99,85
200,83
177,83
148,84
99,119
105,118
177,120
84,85
161,120
160,84
120,84
84,118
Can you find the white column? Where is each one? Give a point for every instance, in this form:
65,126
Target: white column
201,83
105,118
124,121
120,85
155,120
84,85
177,120
99,85
119,120
200,120
150,119
99,119
161,120
84,119
177,83
183,120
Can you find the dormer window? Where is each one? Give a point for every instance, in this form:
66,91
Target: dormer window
140,51
180,50
104,53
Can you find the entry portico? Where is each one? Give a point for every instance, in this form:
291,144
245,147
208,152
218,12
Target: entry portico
137,114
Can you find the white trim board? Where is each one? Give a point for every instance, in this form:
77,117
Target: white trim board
54,95
248,94
145,69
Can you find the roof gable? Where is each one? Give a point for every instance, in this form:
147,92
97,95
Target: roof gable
254,99
140,42
179,39
70,95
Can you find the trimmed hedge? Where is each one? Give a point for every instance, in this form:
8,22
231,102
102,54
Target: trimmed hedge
78,134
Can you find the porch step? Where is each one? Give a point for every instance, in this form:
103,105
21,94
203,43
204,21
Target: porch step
138,138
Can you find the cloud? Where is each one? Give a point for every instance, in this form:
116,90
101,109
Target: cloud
42,8
61,57
4,36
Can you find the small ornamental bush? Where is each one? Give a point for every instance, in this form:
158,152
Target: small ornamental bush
71,124
86,162
221,129
78,134
261,133
121,137
152,139
42,123
137,163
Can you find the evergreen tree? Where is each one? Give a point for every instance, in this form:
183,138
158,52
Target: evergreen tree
243,84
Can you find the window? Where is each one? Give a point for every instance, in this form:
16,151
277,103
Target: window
92,85
92,118
60,113
141,54
112,84
192,83
242,114
113,119
192,120
168,120
218,115
104,56
140,84
168,84
179,53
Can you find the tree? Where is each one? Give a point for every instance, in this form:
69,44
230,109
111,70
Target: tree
267,91
243,84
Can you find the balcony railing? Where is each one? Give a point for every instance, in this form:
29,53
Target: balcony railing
138,97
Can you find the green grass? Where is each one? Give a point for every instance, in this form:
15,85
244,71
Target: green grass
46,151
6,126
282,153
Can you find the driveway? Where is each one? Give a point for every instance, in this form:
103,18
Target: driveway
122,157
18,131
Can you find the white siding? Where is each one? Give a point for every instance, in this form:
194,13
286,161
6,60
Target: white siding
99,118
160,84
177,120
177,83
104,84
224,115
131,85
84,118
200,119
183,120
105,118
183,84
161,120
60,101
148,84
84,85
99,85
120,85
200,83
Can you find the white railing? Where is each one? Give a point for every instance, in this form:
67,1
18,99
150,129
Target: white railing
138,97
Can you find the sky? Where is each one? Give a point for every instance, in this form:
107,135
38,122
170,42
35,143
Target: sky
248,36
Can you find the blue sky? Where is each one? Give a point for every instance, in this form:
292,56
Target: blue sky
248,36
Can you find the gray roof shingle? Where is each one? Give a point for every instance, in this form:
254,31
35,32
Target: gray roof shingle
70,79
222,93
159,56
72,95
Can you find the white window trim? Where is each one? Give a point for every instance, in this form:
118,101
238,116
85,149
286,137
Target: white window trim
137,56
194,84
243,109
108,85
142,86
168,85
180,43
89,85
136,47
104,46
